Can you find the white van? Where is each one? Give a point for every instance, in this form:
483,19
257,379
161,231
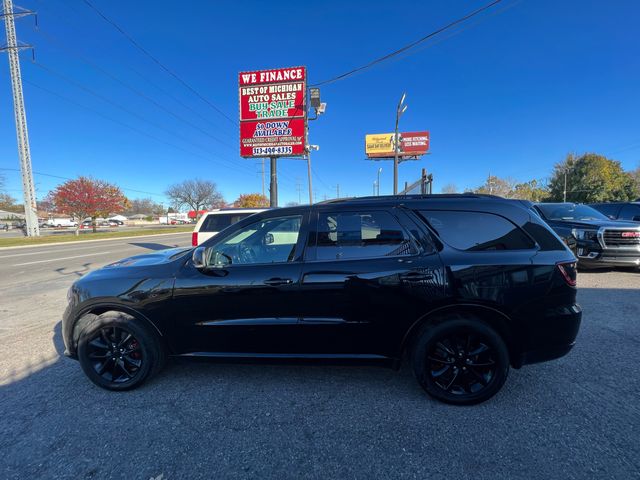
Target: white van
61,222
212,222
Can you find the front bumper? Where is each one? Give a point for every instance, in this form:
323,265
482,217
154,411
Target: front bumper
554,335
607,258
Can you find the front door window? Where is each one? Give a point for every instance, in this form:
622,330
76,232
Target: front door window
271,240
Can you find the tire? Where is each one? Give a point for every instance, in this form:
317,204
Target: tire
460,360
119,352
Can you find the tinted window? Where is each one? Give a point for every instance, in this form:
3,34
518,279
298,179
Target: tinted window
360,235
569,211
609,210
476,231
219,221
630,212
271,240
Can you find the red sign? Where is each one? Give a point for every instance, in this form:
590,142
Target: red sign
272,112
414,143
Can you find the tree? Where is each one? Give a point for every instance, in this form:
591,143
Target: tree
251,200
197,194
502,187
87,197
592,178
145,206
449,188
635,175
531,190
7,202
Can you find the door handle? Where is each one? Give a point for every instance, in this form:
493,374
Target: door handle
278,281
416,276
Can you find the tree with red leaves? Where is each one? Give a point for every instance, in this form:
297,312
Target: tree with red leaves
86,197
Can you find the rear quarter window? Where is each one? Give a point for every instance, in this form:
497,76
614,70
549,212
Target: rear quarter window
477,231
219,221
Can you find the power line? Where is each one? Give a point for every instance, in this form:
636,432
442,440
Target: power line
134,129
64,19
406,47
132,89
155,60
67,178
125,109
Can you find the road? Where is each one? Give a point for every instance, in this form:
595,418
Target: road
43,273
574,418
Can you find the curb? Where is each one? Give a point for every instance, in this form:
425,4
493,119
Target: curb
90,241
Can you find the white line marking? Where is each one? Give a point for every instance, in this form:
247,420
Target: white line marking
58,259
50,251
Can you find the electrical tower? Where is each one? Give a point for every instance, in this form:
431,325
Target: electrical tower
12,47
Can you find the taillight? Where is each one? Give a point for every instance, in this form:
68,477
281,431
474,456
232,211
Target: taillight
194,239
569,272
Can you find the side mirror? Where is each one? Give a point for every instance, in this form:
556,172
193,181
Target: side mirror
199,257
268,239
636,218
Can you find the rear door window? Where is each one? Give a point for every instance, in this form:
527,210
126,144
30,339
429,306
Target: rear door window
630,212
219,221
477,231
355,235
609,210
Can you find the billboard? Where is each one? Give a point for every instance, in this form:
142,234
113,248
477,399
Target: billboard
272,112
381,145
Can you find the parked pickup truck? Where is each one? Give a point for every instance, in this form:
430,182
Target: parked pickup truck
596,240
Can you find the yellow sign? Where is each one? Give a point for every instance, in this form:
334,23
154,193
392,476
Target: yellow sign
379,145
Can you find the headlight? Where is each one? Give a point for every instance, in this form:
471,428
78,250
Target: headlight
581,234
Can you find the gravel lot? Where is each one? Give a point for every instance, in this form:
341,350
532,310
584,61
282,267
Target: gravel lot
577,417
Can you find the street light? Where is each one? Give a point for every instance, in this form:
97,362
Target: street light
399,111
379,172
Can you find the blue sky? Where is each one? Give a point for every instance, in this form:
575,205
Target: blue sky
510,93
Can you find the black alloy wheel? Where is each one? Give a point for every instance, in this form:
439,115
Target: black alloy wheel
461,364
462,361
119,352
116,354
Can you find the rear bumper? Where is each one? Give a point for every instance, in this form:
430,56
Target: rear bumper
555,335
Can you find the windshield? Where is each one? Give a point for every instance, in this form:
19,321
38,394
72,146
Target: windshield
219,221
569,211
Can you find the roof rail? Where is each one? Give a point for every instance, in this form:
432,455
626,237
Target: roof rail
413,197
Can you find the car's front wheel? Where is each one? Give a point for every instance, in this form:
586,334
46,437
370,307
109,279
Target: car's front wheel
460,360
119,352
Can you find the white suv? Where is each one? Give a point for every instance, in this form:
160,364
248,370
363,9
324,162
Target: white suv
211,223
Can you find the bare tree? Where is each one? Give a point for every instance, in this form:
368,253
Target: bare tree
450,188
197,194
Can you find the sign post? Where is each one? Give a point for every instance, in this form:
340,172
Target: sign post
273,117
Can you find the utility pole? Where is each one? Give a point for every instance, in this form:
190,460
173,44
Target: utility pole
338,190
273,184
263,190
564,192
12,48
399,111
299,190
379,172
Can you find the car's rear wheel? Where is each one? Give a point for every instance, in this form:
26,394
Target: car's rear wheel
119,352
460,360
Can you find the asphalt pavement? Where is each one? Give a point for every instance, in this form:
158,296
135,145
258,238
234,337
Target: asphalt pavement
574,418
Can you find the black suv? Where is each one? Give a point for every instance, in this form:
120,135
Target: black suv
596,240
465,285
